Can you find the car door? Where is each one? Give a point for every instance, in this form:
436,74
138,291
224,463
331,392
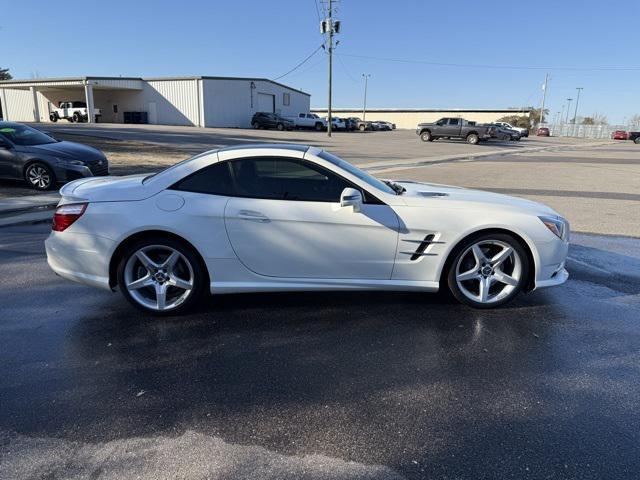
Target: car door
8,159
451,128
286,221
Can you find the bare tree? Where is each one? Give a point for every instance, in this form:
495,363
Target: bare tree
4,74
599,119
634,121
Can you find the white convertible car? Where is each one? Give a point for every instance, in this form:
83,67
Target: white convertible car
289,218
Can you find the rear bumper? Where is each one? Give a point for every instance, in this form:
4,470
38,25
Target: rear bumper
80,257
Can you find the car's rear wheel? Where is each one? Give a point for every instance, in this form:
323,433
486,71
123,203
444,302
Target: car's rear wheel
280,127
39,176
53,117
473,138
488,271
77,117
636,140
426,137
319,127
161,276
255,125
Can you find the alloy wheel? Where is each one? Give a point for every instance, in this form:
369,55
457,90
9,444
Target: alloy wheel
488,271
159,277
39,177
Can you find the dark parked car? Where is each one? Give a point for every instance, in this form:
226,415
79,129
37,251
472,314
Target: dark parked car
635,136
351,124
454,128
271,120
42,161
500,132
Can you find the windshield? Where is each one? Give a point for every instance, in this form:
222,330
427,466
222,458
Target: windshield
25,136
364,176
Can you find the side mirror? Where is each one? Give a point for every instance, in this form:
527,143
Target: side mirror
350,197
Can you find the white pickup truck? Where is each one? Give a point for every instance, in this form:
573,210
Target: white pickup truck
308,120
73,112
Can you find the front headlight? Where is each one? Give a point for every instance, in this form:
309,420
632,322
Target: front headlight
558,226
70,161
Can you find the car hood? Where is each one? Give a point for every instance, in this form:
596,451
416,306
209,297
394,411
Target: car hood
418,194
66,149
107,189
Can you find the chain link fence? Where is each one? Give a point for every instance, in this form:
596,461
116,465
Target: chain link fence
586,131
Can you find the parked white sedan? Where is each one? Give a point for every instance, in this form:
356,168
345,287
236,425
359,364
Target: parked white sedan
290,218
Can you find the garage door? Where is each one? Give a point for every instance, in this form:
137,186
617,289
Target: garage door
266,102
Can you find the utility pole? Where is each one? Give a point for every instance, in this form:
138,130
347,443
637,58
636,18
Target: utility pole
569,100
330,27
575,114
364,103
544,97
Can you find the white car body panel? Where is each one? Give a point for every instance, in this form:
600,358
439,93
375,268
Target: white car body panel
251,245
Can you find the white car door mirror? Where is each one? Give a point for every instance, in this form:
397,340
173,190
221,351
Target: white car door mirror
350,197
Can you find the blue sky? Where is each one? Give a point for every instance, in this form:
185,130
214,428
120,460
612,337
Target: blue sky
268,38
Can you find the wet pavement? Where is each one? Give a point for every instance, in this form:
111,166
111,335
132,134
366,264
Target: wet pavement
330,385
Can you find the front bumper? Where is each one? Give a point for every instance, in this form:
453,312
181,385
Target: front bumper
550,268
80,257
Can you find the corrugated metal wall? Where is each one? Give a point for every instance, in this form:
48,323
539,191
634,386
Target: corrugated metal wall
176,101
19,107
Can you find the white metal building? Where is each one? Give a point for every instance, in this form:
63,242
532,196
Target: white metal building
196,101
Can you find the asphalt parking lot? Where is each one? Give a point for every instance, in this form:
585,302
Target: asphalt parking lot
321,385
349,385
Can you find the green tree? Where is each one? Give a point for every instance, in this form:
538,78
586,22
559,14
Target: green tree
523,121
4,74
588,121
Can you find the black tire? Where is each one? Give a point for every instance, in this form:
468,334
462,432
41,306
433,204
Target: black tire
280,127
426,136
637,140
462,249
473,139
70,119
319,127
256,125
362,128
53,117
77,117
39,176
199,275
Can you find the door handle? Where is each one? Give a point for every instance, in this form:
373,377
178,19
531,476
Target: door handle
252,216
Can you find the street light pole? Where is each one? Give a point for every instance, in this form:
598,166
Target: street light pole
364,103
544,97
575,114
330,119
569,100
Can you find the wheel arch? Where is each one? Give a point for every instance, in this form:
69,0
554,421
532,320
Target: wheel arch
526,245
139,235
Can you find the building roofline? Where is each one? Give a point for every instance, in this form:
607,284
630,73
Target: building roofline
146,79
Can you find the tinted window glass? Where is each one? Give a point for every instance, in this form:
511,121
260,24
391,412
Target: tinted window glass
214,179
285,179
453,121
23,135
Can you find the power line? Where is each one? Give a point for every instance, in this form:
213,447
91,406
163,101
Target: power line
346,70
498,67
317,10
300,64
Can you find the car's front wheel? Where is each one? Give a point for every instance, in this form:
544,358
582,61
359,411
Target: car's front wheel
39,176
280,127
426,137
161,276
488,271
636,140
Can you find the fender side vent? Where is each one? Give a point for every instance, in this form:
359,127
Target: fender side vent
422,247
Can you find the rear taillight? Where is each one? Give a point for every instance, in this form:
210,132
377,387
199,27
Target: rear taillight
66,215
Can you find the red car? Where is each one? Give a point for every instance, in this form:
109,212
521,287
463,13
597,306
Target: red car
543,132
620,135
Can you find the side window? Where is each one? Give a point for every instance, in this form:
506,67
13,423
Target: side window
286,179
301,115
214,180
454,121
286,99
